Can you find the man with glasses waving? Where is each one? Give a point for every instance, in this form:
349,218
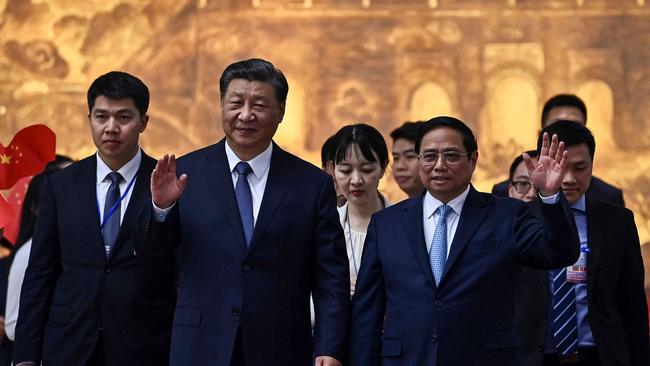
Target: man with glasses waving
439,270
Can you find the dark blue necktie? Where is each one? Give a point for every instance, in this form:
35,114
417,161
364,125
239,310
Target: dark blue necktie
565,323
244,199
111,224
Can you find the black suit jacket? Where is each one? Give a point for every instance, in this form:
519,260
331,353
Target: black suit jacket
598,190
261,290
617,305
71,290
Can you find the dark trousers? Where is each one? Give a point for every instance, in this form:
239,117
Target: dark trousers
582,357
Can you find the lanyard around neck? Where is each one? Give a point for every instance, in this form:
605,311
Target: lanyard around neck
113,208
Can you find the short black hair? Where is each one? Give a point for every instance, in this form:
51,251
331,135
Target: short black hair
119,85
571,133
255,69
328,150
366,138
564,100
517,161
469,140
407,131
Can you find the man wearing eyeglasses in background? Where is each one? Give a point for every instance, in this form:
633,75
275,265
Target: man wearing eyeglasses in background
519,185
439,270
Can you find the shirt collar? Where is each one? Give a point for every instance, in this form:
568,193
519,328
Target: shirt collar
431,203
259,164
128,170
580,205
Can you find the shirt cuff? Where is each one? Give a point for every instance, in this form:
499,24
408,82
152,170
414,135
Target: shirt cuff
550,200
27,363
159,214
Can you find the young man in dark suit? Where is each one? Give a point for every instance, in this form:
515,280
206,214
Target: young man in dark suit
88,297
570,107
258,232
593,312
436,282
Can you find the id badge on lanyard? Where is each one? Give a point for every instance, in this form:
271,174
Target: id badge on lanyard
577,273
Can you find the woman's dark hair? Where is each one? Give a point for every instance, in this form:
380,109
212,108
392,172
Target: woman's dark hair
366,138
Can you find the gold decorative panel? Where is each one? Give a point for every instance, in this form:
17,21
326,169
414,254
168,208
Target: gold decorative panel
491,63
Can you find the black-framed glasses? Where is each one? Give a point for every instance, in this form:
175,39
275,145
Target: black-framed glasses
522,186
449,157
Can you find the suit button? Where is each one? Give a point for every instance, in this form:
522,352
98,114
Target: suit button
438,303
246,268
107,269
434,339
235,312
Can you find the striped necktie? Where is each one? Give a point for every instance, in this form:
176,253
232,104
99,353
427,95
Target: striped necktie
565,323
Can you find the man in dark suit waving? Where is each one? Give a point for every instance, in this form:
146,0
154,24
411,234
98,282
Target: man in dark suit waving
258,232
88,298
593,312
439,270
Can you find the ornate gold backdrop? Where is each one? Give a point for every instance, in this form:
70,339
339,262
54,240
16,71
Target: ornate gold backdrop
491,63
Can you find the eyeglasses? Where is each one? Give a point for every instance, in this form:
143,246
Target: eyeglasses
449,157
522,186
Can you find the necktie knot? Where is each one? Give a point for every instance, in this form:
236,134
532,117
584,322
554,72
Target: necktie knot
243,169
444,210
114,177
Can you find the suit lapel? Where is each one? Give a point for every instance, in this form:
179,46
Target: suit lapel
278,184
136,202
412,225
86,184
595,236
474,211
219,178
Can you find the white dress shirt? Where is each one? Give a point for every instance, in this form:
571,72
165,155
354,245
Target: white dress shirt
431,215
128,172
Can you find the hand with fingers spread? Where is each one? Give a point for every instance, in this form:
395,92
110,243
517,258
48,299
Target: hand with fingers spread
166,188
547,172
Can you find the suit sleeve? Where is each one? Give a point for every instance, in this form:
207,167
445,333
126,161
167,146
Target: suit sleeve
368,306
554,243
631,297
331,282
41,276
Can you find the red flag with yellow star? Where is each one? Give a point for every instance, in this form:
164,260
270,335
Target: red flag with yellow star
29,151
15,199
6,212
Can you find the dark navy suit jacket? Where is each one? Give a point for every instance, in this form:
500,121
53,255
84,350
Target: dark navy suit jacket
71,290
467,319
616,300
263,290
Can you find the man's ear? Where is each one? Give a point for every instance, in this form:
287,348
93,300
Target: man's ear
281,107
145,121
474,158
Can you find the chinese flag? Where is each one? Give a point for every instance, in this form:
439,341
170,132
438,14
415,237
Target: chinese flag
26,155
6,212
15,199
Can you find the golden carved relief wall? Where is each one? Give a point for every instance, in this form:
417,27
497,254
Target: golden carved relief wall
491,63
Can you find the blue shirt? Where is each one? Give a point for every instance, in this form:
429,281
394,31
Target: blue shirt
585,337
